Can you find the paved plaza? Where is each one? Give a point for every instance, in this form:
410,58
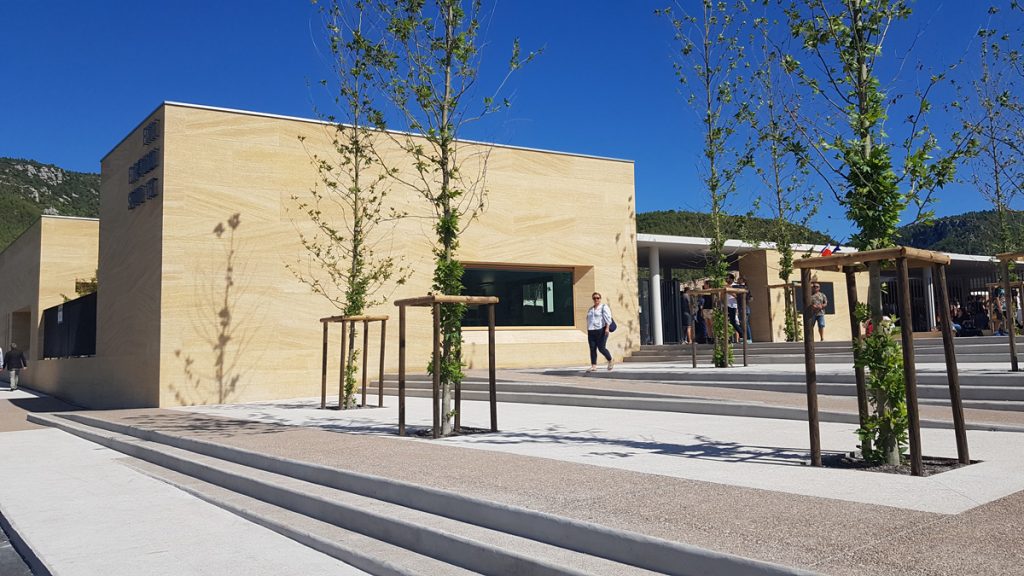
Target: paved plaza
728,484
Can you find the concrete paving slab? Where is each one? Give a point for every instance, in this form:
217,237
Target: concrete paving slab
83,512
747,452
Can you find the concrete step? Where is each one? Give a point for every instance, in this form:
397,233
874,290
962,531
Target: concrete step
1013,405
738,374
467,534
674,403
322,536
937,391
1001,342
821,358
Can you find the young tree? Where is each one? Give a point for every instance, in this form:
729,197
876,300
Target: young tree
993,113
711,67
784,167
344,264
438,60
845,39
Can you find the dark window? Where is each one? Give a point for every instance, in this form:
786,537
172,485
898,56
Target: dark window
527,297
826,288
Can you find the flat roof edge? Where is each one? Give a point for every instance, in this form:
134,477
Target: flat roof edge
62,217
129,133
322,122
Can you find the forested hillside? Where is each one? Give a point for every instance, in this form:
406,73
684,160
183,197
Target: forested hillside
684,223
970,233
29,188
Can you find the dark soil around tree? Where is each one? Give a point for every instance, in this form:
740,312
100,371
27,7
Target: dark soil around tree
463,431
930,465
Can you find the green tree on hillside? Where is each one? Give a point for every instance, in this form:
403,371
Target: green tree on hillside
993,113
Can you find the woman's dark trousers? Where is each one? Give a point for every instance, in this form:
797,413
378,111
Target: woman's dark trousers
597,339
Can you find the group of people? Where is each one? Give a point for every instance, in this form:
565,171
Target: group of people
981,313
699,310
14,362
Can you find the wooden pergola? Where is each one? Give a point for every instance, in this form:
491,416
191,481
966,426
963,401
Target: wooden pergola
434,301
348,323
1011,314
905,258
722,304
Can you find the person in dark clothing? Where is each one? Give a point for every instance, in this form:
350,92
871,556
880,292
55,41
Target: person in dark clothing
707,312
14,362
687,306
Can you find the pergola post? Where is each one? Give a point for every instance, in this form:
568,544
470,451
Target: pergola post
1011,315
401,370
909,368
366,343
492,368
952,372
323,372
810,370
741,300
344,365
380,382
436,365
862,390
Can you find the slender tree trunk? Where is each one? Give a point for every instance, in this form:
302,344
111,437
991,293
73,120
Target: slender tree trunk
448,348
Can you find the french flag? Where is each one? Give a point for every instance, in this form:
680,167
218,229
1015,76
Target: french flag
827,250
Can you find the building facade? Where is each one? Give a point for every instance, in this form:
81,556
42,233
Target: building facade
199,241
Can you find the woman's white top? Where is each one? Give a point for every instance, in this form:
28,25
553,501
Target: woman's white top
598,318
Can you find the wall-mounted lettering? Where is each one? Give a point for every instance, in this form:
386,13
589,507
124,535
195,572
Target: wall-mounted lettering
150,133
149,162
144,166
151,189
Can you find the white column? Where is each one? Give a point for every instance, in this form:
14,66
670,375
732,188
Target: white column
654,262
929,296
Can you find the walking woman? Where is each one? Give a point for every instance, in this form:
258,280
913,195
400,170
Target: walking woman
599,321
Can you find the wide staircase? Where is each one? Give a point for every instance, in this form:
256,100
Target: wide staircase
385,526
927,349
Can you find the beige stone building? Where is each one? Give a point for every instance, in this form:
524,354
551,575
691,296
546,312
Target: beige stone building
199,234
40,269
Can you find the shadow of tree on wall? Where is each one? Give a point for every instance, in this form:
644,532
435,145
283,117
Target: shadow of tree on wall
217,321
626,245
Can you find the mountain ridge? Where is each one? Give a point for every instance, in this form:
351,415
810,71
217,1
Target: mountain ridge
29,189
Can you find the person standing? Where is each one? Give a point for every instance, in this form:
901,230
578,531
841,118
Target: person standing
599,321
741,282
818,304
707,313
687,305
733,306
14,362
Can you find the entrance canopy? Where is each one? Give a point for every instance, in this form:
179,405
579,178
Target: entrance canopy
661,253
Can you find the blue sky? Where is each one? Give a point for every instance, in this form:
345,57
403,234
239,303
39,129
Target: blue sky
76,76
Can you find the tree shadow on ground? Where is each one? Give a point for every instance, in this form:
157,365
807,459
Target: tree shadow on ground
252,419
702,447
